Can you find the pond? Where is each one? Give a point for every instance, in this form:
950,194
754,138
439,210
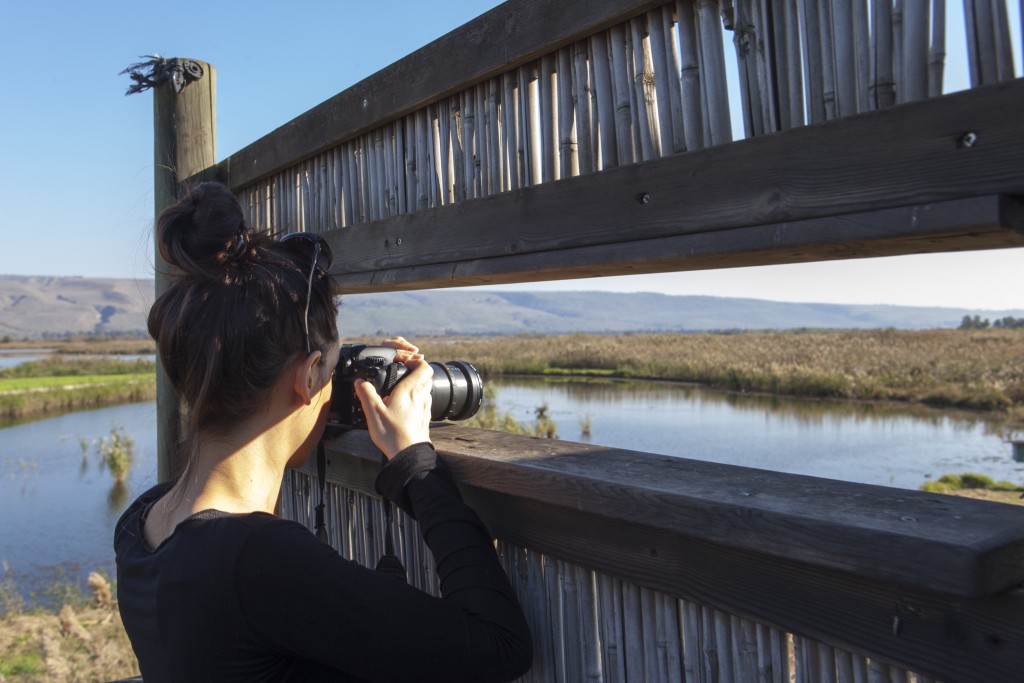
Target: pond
59,510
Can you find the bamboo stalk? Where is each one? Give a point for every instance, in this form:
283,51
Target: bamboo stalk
549,120
555,608
493,138
980,50
670,640
862,43
1003,47
689,75
536,125
915,51
390,172
828,68
524,129
581,95
713,70
937,54
690,630
482,163
672,76
442,148
767,83
466,143
813,84
780,55
826,664
422,168
724,645
882,89
844,666
567,159
605,100
510,131
877,672
591,627
635,103
659,64
897,50
438,159
645,114
543,657
744,633
633,632
744,41
613,650
623,107
845,56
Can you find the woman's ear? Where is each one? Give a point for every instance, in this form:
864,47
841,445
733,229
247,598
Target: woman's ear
304,379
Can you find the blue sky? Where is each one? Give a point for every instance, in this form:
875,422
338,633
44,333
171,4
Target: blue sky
76,170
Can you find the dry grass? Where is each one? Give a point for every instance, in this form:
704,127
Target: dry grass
979,369
82,643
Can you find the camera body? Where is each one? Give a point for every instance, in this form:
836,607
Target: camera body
455,394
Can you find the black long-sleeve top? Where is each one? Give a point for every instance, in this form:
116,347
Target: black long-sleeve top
251,597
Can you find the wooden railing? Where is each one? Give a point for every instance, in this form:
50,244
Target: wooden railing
568,138
637,567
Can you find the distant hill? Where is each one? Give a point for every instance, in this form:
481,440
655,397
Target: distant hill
34,307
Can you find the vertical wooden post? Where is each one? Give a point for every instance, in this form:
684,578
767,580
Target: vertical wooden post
183,148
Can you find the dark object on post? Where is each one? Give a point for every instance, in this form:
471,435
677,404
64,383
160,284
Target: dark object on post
157,71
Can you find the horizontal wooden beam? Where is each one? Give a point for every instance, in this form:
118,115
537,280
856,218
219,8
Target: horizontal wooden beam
873,184
989,222
907,571
509,35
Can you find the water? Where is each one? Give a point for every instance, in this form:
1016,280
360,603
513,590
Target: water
57,512
11,357
871,443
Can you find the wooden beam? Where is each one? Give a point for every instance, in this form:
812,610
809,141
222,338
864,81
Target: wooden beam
775,189
927,541
988,222
509,35
893,573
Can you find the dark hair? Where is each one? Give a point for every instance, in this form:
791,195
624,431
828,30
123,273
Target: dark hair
234,317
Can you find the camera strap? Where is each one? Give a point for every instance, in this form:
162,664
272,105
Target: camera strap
321,479
389,563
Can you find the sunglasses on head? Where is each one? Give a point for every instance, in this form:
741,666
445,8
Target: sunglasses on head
318,252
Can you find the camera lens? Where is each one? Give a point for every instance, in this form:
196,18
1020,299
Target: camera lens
457,391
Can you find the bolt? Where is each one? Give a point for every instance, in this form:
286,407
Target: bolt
908,518
643,198
968,139
366,103
398,241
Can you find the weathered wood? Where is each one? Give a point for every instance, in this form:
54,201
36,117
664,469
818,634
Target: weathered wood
913,153
184,148
525,29
623,531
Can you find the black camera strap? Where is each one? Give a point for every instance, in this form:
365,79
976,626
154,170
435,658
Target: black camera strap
321,480
389,563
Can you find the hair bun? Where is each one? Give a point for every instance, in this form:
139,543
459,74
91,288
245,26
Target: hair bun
202,231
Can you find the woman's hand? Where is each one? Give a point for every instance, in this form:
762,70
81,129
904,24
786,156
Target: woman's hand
406,350
401,418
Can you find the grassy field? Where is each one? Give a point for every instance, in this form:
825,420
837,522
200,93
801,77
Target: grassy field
61,383
977,369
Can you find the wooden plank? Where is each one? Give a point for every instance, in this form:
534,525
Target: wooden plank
503,38
907,155
987,222
928,541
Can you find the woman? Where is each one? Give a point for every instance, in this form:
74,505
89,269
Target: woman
211,585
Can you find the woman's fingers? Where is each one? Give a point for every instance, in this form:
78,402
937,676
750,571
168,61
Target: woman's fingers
402,418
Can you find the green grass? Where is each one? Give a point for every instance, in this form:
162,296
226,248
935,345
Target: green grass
62,383
968,480
21,664
34,383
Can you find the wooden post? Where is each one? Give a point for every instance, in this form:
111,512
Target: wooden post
183,148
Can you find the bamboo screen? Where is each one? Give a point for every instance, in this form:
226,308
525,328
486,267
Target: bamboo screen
588,626
652,86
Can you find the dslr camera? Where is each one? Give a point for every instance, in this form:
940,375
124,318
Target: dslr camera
456,392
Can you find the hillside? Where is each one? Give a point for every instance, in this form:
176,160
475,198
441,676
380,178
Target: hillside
34,307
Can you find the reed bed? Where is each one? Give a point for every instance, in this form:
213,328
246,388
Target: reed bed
980,370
